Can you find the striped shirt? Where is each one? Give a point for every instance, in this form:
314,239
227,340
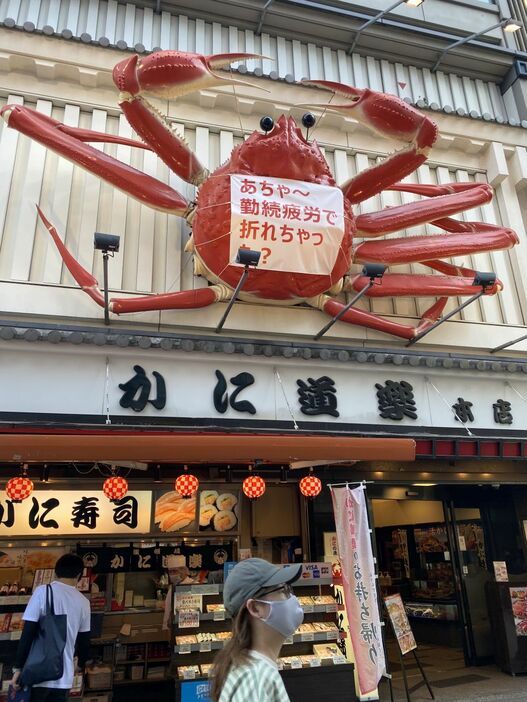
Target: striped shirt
255,681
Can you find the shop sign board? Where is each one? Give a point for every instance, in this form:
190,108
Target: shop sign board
359,584
195,691
400,624
203,387
75,512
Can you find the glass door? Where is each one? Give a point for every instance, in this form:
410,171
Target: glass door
469,560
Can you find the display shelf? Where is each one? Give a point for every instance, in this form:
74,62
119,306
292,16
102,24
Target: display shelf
306,637
308,609
133,610
200,589
12,600
11,635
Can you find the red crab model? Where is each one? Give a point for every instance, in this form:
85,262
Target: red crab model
281,153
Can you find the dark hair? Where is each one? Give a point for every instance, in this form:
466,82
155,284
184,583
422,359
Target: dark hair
235,652
69,566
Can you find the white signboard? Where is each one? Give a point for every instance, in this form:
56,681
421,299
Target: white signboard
75,512
297,226
83,384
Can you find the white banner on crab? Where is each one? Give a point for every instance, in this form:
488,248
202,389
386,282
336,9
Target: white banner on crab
297,226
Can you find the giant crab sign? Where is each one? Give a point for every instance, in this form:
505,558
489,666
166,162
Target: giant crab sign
306,236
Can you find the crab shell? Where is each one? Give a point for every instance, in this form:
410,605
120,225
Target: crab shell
281,153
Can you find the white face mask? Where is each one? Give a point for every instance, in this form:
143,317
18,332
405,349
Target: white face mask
285,616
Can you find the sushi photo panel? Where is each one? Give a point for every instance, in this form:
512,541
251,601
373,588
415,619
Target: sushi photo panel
215,509
219,510
173,513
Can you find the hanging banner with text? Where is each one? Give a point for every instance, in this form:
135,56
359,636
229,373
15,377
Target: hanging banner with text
66,512
297,226
358,580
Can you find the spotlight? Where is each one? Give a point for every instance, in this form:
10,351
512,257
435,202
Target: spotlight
266,124
512,25
248,257
373,270
108,243
486,280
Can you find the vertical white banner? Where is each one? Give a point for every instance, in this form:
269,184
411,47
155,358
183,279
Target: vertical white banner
358,581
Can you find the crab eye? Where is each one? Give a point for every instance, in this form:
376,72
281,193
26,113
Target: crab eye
308,120
266,124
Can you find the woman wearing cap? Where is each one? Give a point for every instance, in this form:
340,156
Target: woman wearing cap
265,612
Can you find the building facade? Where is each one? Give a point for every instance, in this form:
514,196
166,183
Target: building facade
264,389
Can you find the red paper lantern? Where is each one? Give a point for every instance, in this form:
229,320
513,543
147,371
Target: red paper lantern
115,488
253,487
310,486
18,489
187,485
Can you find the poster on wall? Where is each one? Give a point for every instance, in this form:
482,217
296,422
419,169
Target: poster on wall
359,584
215,510
431,540
519,609
400,624
30,559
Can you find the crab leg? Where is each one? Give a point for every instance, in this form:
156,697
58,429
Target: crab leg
411,214
168,74
373,321
69,143
390,117
413,249
187,299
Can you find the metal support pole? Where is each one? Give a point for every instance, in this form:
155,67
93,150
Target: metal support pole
464,41
344,310
446,317
423,674
508,343
233,299
105,257
377,17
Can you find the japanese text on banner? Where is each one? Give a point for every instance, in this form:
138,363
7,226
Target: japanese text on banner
297,226
358,579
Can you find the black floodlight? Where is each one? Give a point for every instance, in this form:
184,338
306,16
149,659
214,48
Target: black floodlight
108,243
486,280
373,271
483,280
247,257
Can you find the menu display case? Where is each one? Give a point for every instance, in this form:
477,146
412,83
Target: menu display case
201,627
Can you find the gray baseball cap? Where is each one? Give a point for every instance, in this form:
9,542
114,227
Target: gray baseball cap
248,577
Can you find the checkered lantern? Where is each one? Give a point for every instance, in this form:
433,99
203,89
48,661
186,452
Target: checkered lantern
18,489
253,487
310,486
115,488
187,485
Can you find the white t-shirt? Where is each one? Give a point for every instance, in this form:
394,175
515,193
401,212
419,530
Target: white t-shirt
67,600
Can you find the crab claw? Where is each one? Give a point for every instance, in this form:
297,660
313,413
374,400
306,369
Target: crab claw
387,115
171,74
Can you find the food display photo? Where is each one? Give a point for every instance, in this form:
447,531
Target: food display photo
172,512
218,510
519,609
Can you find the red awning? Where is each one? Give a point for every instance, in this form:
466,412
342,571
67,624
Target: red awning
170,447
